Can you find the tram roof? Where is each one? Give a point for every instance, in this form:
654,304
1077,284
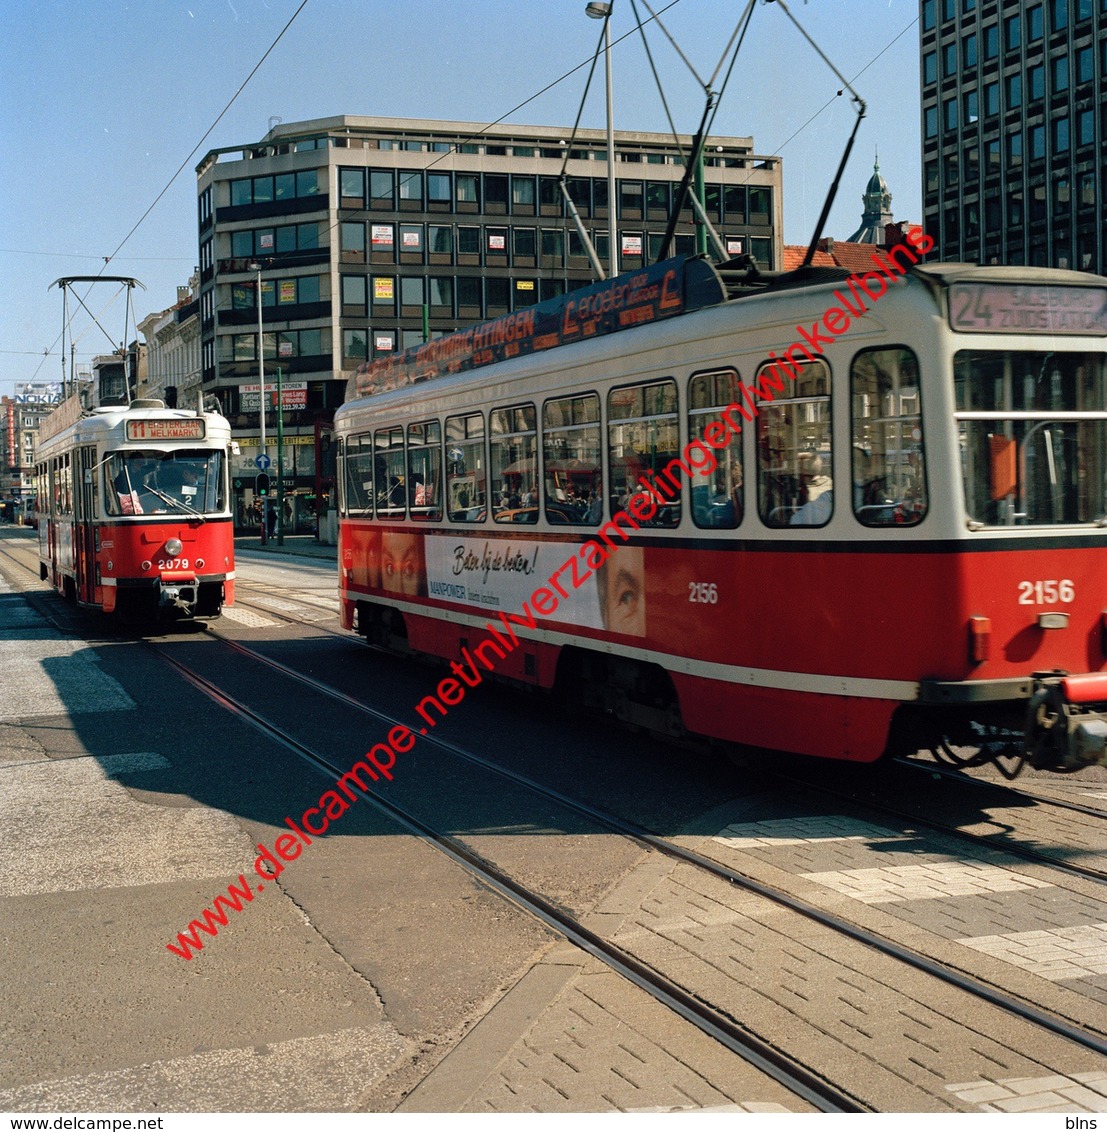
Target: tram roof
652,294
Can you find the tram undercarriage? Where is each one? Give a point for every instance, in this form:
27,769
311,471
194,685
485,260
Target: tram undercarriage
1050,721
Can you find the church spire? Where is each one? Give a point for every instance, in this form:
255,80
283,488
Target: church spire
878,208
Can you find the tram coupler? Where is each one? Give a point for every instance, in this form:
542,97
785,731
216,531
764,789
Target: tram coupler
1066,721
178,596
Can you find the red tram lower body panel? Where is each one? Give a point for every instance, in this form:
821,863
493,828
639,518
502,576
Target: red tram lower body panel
807,647
145,568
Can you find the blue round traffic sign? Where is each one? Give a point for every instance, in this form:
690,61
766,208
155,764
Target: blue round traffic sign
263,462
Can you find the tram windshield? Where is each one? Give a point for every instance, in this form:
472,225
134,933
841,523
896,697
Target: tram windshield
1033,433
148,482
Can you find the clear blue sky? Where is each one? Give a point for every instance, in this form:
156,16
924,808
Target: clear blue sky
102,101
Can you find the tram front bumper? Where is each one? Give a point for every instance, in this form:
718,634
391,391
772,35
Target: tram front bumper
1066,721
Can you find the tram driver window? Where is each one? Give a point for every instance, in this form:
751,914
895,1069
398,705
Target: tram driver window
794,484
1032,435
889,467
466,499
514,464
643,439
147,482
717,495
571,460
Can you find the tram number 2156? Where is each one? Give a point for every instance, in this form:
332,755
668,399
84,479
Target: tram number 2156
706,593
1048,592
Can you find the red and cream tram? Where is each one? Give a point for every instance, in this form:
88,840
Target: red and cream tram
875,521
133,511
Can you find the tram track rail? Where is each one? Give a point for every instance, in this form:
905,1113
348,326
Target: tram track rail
962,980
810,1085
869,802
792,1074
951,774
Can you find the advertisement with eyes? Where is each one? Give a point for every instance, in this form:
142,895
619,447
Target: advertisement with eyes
402,567
590,585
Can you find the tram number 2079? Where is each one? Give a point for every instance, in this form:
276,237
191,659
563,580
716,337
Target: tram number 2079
706,593
1047,592
172,563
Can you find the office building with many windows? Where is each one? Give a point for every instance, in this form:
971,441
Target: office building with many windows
370,233
1014,114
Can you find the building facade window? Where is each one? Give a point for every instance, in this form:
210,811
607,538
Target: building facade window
1034,24
1012,33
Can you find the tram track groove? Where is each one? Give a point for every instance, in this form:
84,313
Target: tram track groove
802,1081
953,775
875,804
1066,1029
962,980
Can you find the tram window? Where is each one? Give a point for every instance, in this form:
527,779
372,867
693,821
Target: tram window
794,485
514,464
643,444
424,470
718,492
466,469
390,472
359,475
889,462
90,487
571,460
62,494
1032,469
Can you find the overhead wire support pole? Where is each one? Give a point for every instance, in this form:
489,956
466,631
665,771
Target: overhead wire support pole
859,103
585,239
685,181
65,283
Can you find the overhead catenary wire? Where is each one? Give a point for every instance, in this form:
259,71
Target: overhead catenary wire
547,87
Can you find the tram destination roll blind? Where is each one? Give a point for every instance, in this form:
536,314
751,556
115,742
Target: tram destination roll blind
985,308
186,428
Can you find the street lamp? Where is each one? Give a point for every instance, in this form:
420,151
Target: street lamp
602,11
261,388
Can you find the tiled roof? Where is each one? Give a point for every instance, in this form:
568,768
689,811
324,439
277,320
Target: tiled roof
794,253
854,257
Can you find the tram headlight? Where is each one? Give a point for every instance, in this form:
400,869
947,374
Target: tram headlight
173,547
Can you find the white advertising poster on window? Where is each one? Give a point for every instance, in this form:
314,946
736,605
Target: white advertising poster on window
382,235
632,245
496,575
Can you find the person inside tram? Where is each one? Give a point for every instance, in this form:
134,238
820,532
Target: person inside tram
126,493
818,491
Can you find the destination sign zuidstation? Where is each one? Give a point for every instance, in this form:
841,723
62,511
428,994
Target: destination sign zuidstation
656,292
987,308
188,428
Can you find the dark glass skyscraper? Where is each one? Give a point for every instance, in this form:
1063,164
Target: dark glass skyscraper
1014,115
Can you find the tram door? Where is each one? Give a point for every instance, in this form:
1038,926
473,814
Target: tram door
85,526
